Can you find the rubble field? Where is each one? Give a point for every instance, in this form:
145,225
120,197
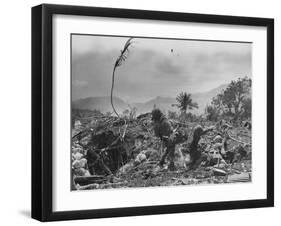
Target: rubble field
121,152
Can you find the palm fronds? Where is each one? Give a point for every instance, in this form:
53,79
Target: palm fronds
124,53
185,102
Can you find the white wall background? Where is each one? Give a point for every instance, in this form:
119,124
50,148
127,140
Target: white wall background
15,114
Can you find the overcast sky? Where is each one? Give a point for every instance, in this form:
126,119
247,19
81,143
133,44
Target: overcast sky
154,67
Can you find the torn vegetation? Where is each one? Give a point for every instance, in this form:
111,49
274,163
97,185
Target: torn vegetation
155,149
107,153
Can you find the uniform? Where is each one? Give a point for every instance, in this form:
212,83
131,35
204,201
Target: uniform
163,130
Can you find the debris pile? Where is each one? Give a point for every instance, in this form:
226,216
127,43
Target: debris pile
112,152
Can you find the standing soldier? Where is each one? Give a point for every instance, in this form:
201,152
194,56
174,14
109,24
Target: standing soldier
163,130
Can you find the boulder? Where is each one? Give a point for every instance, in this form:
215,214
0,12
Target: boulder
140,158
126,168
77,156
77,150
81,163
152,154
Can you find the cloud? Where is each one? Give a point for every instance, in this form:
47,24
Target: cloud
151,69
168,66
221,65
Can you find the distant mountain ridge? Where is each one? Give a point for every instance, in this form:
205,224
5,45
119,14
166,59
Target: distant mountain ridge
165,103
100,103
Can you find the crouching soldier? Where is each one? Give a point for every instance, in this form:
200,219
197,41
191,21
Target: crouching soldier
163,130
196,156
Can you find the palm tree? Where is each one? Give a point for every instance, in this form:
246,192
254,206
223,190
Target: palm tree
185,102
121,58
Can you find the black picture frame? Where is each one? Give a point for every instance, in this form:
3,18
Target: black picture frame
42,111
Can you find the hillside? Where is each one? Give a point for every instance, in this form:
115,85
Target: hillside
165,103
205,98
99,103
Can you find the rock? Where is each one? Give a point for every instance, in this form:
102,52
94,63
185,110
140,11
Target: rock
151,154
87,173
218,172
79,163
140,158
126,168
77,155
81,172
77,150
156,170
223,152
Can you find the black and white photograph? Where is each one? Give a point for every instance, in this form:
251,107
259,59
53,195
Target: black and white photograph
149,112
145,112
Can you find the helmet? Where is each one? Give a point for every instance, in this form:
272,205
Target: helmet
198,130
156,114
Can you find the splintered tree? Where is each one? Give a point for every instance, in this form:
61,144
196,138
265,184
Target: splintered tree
122,57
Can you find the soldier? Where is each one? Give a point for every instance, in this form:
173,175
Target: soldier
163,130
196,155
